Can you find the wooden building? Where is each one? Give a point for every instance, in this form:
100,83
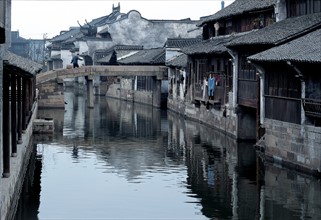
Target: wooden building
302,7
212,66
240,16
178,73
210,60
177,86
247,82
291,101
19,97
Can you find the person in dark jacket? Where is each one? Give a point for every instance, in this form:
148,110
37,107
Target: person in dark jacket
74,61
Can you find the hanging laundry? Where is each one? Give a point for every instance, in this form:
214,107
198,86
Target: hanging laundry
211,86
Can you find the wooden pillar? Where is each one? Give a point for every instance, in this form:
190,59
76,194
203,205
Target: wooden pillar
29,96
24,105
19,110
13,115
6,127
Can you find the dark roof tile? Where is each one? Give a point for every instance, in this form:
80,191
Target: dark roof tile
66,35
179,61
22,63
239,7
214,45
280,32
146,56
120,50
304,49
181,42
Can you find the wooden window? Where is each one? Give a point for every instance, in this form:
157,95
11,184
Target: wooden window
201,70
282,94
144,83
228,26
246,70
283,83
302,7
218,63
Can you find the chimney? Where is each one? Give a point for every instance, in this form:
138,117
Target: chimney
222,4
116,9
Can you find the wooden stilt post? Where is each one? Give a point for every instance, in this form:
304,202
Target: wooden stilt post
24,105
13,115
19,110
6,127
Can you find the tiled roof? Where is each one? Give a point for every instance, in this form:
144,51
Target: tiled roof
66,35
120,47
281,31
304,49
22,63
179,61
73,38
181,42
146,56
112,17
15,38
214,45
121,50
239,7
105,59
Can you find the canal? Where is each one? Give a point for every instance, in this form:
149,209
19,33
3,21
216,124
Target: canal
122,160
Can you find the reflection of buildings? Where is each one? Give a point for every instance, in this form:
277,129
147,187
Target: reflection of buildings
229,180
286,191
29,202
217,168
224,176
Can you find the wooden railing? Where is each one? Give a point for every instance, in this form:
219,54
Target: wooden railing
312,107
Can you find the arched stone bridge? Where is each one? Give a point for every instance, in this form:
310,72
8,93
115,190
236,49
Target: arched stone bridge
50,84
158,71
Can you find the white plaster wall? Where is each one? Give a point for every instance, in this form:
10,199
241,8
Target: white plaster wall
126,83
183,84
66,57
140,31
170,53
83,47
280,10
55,52
164,86
96,44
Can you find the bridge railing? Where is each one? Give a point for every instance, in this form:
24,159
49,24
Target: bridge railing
159,71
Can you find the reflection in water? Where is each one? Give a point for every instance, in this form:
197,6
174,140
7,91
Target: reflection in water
128,161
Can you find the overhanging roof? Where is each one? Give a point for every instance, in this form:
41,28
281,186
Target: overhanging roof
304,49
21,65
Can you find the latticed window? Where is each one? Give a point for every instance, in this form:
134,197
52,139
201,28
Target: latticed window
246,70
144,83
201,70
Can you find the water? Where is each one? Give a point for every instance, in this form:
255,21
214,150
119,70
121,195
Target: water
129,161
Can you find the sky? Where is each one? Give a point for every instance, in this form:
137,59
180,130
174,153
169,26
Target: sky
36,19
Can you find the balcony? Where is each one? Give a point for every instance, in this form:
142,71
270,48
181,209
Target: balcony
312,107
